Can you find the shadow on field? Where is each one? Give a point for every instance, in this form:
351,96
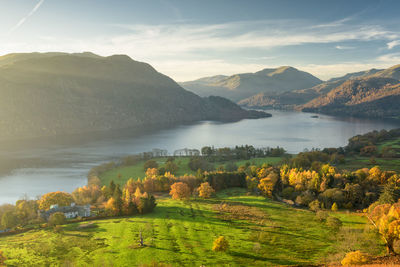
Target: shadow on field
260,258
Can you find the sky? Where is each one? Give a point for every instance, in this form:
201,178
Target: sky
187,39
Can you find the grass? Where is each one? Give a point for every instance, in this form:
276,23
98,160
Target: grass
181,233
122,174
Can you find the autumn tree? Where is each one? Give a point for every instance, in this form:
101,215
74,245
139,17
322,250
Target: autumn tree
386,218
205,190
180,191
355,258
55,198
220,244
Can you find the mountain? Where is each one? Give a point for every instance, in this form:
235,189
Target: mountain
57,93
241,86
372,97
288,100
354,75
295,99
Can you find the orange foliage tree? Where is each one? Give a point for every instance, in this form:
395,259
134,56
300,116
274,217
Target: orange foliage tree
205,190
55,198
386,218
180,191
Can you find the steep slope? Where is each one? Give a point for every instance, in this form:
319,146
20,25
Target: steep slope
372,96
241,86
288,100
58,93
294,99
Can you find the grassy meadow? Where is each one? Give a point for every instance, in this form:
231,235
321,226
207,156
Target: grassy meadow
260,232
122,174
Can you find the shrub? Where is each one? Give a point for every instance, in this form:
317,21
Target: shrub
56,218
288,193
220,244
321,215
150,164
205,190
333,222
314,205
355,258
334,207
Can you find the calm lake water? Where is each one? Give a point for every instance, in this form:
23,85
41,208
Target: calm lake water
58,166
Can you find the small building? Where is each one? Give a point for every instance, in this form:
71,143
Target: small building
70,212
186,152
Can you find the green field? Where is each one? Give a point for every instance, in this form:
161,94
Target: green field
260,232
122,174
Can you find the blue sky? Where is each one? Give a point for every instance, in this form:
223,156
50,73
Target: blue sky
189,39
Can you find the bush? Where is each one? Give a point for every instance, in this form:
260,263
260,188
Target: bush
314,205
150,164
56,218
333,222
288,193
334,207
220,244
321,216
355,258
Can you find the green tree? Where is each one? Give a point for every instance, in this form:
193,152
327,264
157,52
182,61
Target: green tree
9,220
56,218
150,164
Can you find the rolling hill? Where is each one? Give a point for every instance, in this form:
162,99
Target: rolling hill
57,94
241,86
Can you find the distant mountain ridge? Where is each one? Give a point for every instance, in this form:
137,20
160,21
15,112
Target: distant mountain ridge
372,93
240,86
58,93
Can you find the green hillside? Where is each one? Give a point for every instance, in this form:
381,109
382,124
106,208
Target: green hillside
260,233
57,94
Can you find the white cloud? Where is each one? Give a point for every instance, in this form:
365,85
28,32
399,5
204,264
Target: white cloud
393,44
23,20
343,47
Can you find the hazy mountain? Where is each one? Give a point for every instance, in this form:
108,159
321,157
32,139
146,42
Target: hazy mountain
241,86
57,93
288,100
294,99
354,75
373,97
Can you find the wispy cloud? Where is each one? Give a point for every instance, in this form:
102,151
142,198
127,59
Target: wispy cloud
343,47
23,20
393,44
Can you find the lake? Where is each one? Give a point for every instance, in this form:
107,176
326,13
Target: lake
61,166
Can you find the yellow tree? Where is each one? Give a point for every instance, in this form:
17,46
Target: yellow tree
180,191
386,218
220,244
55,198
267,184
205,190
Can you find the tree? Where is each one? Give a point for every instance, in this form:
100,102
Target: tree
334,207
205,190
388,195
386,219
220,244
150,164
9,220
55,198
56,218
180,191
314,205
171,167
